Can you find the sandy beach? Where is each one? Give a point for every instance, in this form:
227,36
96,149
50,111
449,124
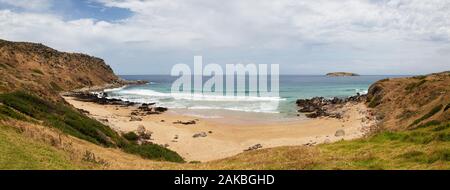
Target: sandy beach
220,138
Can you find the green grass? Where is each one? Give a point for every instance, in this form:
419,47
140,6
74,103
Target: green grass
72,122
424,148
428,115
17,152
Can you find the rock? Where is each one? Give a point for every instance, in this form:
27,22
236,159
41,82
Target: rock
254,147
143,134
163,120
83,111
141,129
192,122
134,118
322,107
339,133
160,109
202,134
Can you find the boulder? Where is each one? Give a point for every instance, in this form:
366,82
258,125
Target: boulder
339,133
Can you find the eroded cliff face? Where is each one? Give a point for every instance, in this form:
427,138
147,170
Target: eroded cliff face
46,72
406,103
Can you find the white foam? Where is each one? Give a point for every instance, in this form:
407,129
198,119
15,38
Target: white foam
197,97
198,101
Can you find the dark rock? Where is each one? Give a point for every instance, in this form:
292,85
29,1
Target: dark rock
134,118
202,134
83,111
192,122
254,147
160,109
320,106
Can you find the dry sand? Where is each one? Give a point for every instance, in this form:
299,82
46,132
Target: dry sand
226,138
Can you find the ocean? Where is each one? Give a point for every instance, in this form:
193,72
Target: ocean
291,88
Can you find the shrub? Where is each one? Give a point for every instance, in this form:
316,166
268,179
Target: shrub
421,77
6,112
37,71
131,136
443,155
428,115
375,101
55,86
429,123
447,107
153,151
442,127
410,87
62,117
72,122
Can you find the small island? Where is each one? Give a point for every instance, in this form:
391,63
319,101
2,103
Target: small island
341,74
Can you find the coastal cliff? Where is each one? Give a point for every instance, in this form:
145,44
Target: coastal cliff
46,72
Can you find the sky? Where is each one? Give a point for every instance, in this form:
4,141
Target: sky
302,36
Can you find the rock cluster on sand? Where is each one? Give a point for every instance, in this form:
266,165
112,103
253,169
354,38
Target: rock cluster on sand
191,122
101,98
320,106
201,134
254,147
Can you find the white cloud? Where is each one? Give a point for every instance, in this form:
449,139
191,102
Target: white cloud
386,34
29,4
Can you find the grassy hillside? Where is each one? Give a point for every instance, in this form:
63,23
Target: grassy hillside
29,108
424,148
19,152
405,103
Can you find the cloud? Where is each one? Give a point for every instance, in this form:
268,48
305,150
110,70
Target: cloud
29,4
390,36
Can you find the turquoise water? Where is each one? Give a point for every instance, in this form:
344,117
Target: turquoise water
292,87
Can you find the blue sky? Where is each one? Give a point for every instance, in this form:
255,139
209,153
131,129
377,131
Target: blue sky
304,37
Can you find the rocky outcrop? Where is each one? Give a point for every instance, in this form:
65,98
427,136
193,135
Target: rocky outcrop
341,74
320,106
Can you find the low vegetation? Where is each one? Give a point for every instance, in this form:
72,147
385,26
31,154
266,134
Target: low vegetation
421,148
410,87
18,152
21,106
37,71
428,115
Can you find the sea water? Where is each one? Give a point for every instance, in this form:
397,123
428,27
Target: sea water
291,88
